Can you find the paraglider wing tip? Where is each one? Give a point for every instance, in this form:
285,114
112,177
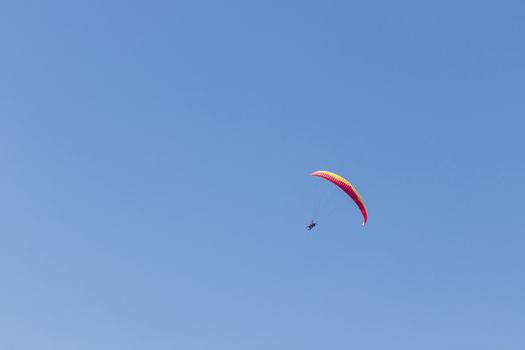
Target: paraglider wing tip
317,172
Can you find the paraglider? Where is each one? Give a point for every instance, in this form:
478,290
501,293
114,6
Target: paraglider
347,187
311,226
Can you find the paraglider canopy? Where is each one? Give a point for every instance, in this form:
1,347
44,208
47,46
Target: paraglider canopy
347,187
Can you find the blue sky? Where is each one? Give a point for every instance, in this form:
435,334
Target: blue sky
155,187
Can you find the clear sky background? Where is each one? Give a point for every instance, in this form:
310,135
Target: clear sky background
155,160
